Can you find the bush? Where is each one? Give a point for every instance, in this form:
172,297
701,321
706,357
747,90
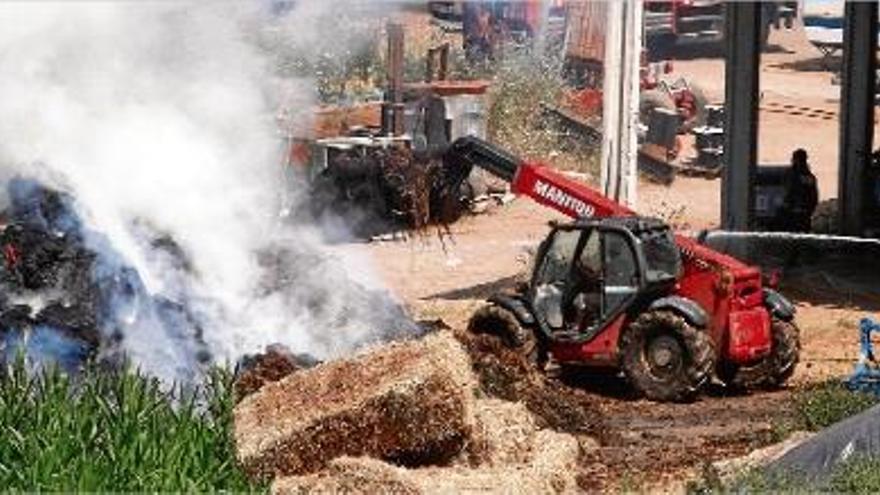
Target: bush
856,476
822,405
860,475
115,431
522,86
814,408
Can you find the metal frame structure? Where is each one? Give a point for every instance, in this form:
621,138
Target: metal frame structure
620,105
856,113
742,90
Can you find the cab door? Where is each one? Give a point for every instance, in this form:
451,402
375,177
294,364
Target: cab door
585,277
621,280
604,280
552,277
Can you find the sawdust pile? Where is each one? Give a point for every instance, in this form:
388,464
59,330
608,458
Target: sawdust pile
410,402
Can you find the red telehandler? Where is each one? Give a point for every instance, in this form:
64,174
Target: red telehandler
615,289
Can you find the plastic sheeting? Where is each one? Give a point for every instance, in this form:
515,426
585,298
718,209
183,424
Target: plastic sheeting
854,437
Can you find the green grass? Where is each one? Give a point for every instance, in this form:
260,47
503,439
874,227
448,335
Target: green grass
822,405
859,475
813,408
115,431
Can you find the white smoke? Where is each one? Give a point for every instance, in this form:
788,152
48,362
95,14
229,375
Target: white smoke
163,114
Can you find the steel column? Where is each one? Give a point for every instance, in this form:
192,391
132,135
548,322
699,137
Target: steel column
742,32
856,112
620,104
392,107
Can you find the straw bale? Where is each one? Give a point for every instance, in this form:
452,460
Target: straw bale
550,469
410,402
503,433
349,475
503,373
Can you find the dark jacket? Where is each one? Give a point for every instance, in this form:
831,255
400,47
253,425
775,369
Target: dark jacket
801,192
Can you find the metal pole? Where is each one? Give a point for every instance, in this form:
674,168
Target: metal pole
620,105
856,112
742,32
611,90
392,108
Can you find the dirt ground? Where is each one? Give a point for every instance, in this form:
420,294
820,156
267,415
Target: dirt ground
657,443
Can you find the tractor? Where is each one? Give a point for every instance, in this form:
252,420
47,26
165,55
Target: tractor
614,289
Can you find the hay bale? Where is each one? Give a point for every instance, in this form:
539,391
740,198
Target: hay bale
410,402
504,433
505,374
349,475
270,366
550,469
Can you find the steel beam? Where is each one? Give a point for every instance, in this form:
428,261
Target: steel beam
856,113
620,104
392,108
742,32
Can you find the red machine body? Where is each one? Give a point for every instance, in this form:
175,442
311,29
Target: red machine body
729,290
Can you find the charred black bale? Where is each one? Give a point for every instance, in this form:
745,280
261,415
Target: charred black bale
82,291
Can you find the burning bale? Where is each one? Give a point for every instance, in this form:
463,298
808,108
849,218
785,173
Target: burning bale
65,295
277,362
410,402
69,296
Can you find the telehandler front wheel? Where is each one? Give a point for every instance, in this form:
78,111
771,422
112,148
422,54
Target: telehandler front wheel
665,358
501,323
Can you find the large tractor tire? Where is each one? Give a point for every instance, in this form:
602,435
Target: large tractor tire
666,358
772,371
501,323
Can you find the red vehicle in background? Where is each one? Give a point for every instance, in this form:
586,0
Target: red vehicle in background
672,22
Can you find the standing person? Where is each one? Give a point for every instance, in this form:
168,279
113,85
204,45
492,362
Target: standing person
801,194
477,36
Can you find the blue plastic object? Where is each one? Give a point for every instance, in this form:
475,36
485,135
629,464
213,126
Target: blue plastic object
866,376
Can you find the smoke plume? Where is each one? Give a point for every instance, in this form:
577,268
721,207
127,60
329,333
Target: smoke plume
159,119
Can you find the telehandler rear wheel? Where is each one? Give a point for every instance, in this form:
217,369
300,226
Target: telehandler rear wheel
501,323
665,358
772,371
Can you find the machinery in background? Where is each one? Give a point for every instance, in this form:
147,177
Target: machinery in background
376,166
866,376
669,23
